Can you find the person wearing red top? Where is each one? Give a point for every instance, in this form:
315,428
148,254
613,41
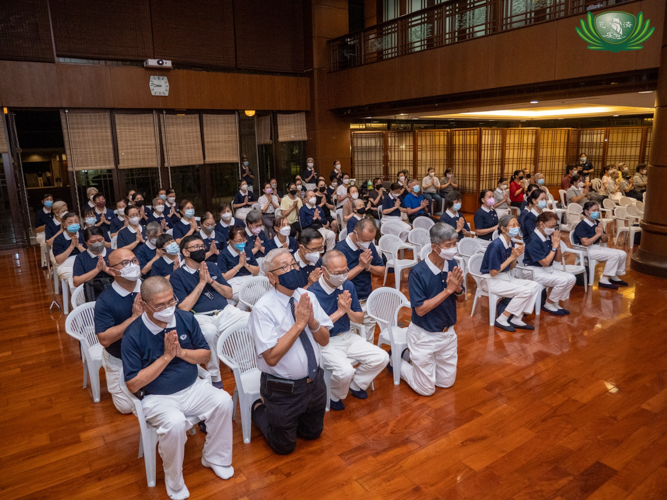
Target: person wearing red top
566,181
516,189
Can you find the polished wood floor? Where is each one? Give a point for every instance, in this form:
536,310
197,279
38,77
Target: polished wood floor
577,409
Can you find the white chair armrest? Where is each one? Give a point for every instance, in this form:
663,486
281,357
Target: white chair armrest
201,372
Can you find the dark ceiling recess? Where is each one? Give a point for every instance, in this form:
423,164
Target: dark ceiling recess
39,130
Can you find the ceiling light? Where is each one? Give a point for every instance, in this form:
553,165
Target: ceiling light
541,113
250,112
369,117
646,92
534,102
615,115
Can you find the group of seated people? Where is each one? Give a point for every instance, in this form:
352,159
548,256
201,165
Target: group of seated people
616,182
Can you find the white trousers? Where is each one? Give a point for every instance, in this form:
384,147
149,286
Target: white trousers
114,372
168,414
329,237
560,282
613,258
433,358
369,323
336,356
66,269
241,213
41,239
236,283
212,326
522,292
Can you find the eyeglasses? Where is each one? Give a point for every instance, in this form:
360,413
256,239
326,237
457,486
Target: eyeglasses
162,307
313,250
194,249
125,263
286,268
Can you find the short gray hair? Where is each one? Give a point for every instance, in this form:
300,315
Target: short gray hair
152,228
441,232
504,221
358,203
253,217
267,263
153,286
331,254
363,224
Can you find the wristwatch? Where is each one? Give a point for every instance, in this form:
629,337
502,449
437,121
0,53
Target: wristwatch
554,249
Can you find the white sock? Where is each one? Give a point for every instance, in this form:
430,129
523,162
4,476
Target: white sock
605,280
502,319
354,386
552,306
618,278
516,320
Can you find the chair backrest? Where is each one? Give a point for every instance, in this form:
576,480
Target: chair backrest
343,234
633,210
574,208
278,212
494,235
475,264
391,244
468,246
114,243
423,253
423,222
236,347
563,197
596,184
80,324
640,205
391,227
625,201
78,297
384,304
253,289
420,236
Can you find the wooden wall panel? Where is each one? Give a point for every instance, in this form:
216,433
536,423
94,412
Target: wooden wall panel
29,84
84,86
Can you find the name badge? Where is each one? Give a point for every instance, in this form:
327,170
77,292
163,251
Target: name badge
209,295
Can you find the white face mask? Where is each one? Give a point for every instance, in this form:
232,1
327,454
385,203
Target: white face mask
449,176
431,174
503,187
152,241
134,220
355,196
580,185
131,272
299,187
312,200
549,230
363,244
159,208
346,181
121,211
171,200
313,257
337,280
310,165
166,315
447,253
244,188
285,231
338,167
226,216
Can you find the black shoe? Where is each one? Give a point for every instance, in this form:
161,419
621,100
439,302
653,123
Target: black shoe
559,312
360,394
618,282
202,427
564,311
405,355
611,286
507,328
523,327
336,405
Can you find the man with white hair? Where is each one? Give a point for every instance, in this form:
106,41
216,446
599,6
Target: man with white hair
160,352
289,327
311,215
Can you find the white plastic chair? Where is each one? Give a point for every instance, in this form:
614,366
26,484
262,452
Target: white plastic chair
253,289
236,349
390,246
420,238
563,197
625,201
394,228
148,436
78,297
342,234
423,222
520,271
591,262
114,243
640,206
383,306
474,269
576,268
625,224
634,213
80,324
573,216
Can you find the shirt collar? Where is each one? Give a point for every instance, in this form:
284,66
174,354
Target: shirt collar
249,233
56,222
93,256
284,299
153,328
132,230
205,236
183,221
167,260
97,211
486,209
325,286
189,269
232,250
47,212
589,222
532,211
500,190
453,214
150,245
506,243
297,257
224,224
434,269
542,237
124,293
67,236
278,242
357,216
351,244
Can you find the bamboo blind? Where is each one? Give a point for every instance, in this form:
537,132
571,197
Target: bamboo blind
3,141
263,126
368,152
624,145
182,140
553,154
136,137
292,127
464,158
490,169
432,152
221,139
399,153
649,138
591,142
519,149
90,140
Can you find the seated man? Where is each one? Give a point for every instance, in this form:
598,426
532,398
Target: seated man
313,216
93,262
392,209
200,287
363,260
67,245
338,298
415,204
435,287
358,214
169,260
311,246
288,327
115,308
257,239
160,352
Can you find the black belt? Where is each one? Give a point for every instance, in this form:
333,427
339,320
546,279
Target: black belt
301,381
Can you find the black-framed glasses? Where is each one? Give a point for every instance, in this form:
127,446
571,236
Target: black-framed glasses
198,247
125,263
313,250
162,307
287,267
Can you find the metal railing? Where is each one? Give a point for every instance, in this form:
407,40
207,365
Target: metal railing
449,22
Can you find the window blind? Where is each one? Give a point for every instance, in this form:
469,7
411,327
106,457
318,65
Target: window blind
88,142
221,141
181,137
136,138
292,127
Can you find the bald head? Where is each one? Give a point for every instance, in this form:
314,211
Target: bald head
154,289
366,229
118,256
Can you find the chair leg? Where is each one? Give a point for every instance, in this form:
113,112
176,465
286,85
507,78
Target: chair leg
538,302
150,449
474,304
85,372
386,269
94,381
396,361
327,382
397,277
493,301
56,282
65,286
235,400
246,419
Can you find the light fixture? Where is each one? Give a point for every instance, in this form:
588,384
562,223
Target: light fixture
369,117
6,111
534,102
646,92
542,113
616,115
250,112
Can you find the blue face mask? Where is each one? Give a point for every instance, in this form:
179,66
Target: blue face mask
416,189
456,207
172,248
91,220
240,246
513,232
542,203
595,215
245,163
163,196
292,280
73,228
190,212
540,182
48,203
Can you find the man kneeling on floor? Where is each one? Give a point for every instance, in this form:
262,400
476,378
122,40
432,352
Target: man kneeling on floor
435,287
160,352
338,298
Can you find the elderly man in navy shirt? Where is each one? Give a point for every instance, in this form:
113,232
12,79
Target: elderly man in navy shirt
338,298
201,288
435,287
161,351
363,261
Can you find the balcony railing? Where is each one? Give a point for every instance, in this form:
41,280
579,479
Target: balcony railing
450,22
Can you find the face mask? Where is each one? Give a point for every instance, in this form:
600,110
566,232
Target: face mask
378,187
595,215
292,280
163,196
583,159
131,272
152,241
244,188
520,178
92,196
540,182
580,185
503,187
62,215
226,216
299,187
346,181
322,189
166,315
256,230
310,165
240,247
171,200
401,178
313,257
73,228
431,174
490,202
268,191
48,203
274,185
362,244
456,207
396,195
172,248
292,192
96,247
361,211
447,253
549,230
139,203
334,184
121,211
159,208
91,221
337,167
449,176
542,203
355,196
415,189
245,163
198,255
285,231
134,220
190,212
337,280
312,200
101,204
513,232
207,229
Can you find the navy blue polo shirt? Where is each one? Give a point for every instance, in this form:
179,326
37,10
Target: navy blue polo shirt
181,228
523,206
226,260
60,244
485,220
240,198
112,309
51,228
336,174
222,231
412,201
208,239
361,281
108,215
528,222
292,245
153,217
307,214
162,268
145,254
495,255
184,282
585,230
42,218
252,238
246,177
307,267
536,250
126,237
141,348
424,285
306,173
167,211
84,263
351,224
446,218
389,202
116,225
329,304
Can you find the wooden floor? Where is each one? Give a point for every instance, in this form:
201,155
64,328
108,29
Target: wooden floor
577,409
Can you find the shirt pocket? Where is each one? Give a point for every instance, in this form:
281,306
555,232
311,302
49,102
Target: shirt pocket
185,341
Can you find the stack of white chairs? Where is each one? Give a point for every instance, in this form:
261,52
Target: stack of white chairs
626,224
626,200
253,289
393,228
390,246
80,324
420,238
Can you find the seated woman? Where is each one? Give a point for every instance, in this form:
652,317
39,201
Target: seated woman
67,245
147,254
208,236
539,180
93,262
119,221
187,224
452,216
499,259
169,260
54,227
282,239
348,206
524,204
237,262
325,202
590,233
226,222
541,252
132,236
486,218
502,196
375,197
157,214
431,187
537,202
290,206
243,201
43,216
